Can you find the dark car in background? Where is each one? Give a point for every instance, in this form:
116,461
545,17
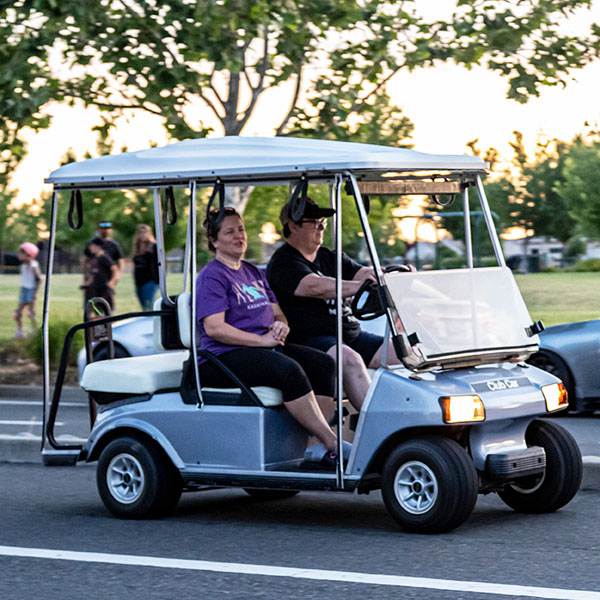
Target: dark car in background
571,351
9,262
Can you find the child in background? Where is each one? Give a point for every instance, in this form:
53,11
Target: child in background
30,281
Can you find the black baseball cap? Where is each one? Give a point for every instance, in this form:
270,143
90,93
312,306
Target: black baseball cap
311,211
105,225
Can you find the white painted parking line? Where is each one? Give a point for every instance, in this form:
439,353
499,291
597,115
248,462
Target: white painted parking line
38,403
24,422
591,460
27,436
476,587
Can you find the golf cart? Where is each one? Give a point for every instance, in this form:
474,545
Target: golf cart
459,416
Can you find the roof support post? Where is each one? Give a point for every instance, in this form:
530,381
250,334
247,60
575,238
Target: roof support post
191,246
160,248
489,221
468,237
336,201
45,315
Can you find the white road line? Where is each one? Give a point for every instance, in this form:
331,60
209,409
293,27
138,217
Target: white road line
23,422
27,436
37,403
591,460
477,587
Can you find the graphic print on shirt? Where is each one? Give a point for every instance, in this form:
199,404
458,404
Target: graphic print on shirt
347,315
253,294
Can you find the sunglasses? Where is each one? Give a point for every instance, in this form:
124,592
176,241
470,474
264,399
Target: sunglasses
317,223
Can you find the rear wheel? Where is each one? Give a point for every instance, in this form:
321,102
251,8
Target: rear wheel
264,494
562,478
136,480
429,485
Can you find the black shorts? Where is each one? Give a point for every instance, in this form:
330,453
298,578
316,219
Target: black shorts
293,369
366,344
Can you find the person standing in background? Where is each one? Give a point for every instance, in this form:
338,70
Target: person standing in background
145,266
30,281
111,247
101,275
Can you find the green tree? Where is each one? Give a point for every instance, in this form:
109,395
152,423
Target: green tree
581,187
168,56
527,193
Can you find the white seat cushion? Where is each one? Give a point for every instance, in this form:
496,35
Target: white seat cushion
184,318
135,374
148,374
268,396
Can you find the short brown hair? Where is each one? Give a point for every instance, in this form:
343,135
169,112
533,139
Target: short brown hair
214,220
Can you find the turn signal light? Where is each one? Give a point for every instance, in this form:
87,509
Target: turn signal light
462,409
556,396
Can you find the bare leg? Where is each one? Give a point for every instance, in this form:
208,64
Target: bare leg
392,359
327,406
18,316
31,313
306,411
356,376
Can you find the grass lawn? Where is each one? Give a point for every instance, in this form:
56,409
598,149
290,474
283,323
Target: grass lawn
551,297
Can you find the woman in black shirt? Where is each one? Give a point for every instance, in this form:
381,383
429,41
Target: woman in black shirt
145,266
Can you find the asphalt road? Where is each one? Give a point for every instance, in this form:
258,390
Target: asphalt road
58,509
315,545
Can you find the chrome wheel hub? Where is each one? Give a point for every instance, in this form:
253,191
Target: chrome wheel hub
416,487
125,478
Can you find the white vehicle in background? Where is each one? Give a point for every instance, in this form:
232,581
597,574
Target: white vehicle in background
132,337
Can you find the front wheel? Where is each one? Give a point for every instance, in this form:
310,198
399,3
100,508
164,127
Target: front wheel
429,485
136,480
560,481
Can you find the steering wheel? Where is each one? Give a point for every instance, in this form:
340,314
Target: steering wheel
397,269
366,304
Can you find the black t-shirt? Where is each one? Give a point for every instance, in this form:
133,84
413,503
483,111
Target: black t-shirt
113,250
146,266
100,271
310,317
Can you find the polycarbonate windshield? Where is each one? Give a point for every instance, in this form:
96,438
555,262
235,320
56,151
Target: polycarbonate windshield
462,311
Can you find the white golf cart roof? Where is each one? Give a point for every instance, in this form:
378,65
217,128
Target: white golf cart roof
232,158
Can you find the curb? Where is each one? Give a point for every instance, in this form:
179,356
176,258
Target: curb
25,449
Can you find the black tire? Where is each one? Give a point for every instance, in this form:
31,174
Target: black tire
555,365
160,487
560,482
264,494
101,352
439,463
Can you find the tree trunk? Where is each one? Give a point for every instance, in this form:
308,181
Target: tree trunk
237,197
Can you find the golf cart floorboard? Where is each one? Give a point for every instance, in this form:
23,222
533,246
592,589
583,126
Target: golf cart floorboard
283,480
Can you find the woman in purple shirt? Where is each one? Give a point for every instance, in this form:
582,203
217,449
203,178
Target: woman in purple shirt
240,321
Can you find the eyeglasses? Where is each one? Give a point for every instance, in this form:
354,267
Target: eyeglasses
317,223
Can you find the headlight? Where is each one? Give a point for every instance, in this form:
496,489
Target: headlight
556,396
462,409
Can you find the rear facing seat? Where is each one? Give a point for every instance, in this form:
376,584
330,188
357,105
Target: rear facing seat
151,373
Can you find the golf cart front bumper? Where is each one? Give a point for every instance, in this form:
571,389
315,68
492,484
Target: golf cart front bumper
516,463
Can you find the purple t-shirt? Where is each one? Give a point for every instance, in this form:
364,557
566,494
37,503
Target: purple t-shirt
243,295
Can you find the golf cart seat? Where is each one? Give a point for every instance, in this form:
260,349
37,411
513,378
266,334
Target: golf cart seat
269,397
135,374
110,380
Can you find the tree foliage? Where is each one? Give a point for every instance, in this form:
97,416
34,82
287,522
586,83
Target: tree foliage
167,57
581,187
181,60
